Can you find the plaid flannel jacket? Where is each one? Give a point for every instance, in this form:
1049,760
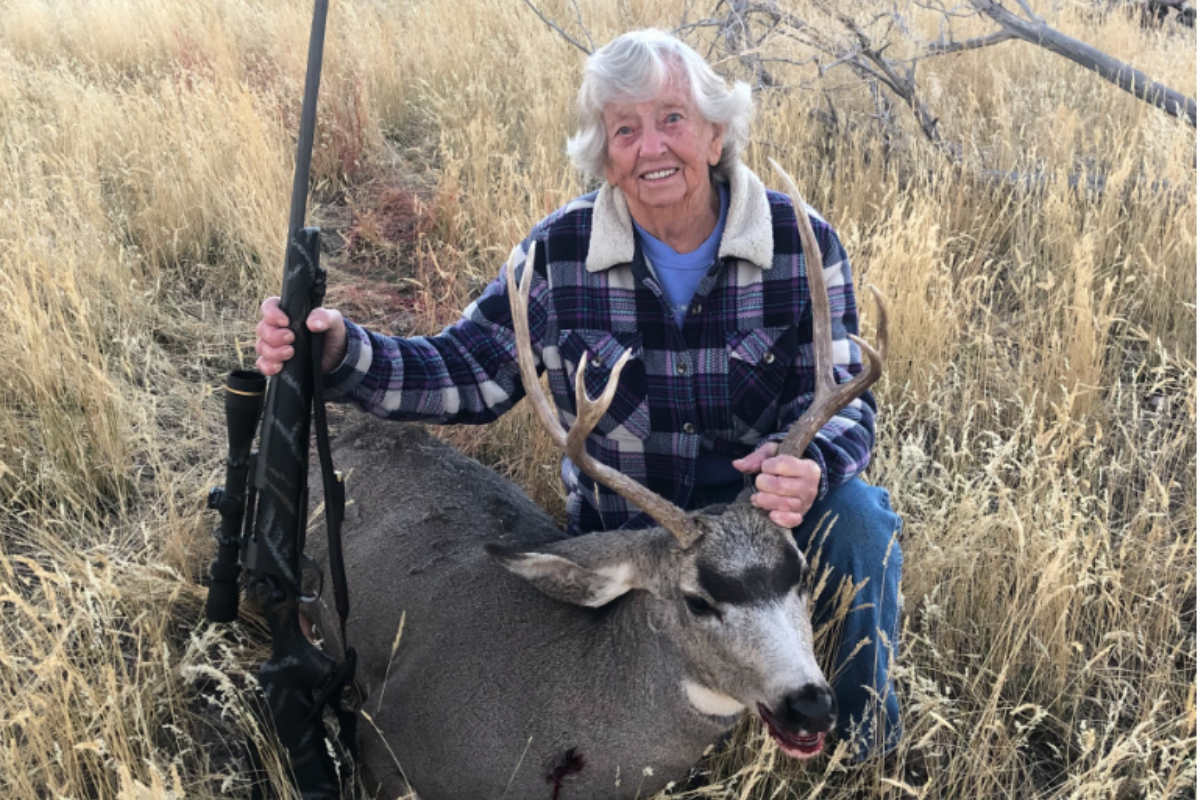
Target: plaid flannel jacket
739,373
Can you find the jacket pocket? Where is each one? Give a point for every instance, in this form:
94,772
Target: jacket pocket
759,362
597,353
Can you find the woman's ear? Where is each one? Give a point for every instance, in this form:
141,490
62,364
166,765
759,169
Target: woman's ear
717,145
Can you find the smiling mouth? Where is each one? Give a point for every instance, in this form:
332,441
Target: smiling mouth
796,745
659,174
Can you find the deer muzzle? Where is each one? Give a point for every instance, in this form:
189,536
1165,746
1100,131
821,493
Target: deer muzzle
800,723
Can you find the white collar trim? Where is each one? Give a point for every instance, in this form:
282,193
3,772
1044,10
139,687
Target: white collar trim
748,228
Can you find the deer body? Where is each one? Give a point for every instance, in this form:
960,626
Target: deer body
494,685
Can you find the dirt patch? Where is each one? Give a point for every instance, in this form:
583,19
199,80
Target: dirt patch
372,237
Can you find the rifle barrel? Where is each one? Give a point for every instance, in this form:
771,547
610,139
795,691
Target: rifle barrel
308,119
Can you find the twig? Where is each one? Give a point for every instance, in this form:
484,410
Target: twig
555,26
942,48
1029,11
707,22
740,44
582,27
806,86
687,13
904,87
792,61
963,11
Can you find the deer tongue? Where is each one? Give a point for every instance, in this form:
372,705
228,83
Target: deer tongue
796,745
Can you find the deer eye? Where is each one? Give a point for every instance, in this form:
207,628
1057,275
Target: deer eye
699,606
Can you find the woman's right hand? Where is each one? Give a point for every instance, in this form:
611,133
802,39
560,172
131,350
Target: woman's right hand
274,341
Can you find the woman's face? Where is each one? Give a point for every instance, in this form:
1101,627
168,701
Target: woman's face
660,151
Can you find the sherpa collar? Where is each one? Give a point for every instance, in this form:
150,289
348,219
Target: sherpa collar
748,229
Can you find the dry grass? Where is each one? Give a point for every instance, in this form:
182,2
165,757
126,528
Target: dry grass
1039,434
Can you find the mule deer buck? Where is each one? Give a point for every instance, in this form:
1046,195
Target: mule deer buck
599,666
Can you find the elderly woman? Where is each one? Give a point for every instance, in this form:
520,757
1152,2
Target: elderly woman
685,257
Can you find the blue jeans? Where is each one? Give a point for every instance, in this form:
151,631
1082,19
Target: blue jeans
860,546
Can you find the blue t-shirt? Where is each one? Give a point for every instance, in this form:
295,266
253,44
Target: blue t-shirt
679,274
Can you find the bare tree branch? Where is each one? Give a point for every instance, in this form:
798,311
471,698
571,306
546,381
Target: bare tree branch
962,11
845,59
1029,11
708,22
903,87
794,62
740,43
687,13
582,27
942,48
1110,69
771,10
551,23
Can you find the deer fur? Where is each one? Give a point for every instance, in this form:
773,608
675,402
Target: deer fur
546,667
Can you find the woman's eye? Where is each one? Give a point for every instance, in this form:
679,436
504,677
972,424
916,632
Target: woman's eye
624,130
698,605
674,117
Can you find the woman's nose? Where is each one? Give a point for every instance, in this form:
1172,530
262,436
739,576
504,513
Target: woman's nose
653,143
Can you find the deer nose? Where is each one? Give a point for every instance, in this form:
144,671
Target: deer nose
813,708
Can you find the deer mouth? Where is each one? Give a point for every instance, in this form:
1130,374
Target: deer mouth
796,745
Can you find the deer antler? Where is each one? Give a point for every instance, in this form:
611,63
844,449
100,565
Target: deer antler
829,397
589,413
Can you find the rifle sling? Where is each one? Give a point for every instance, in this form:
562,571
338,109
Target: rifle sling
335,512
335,490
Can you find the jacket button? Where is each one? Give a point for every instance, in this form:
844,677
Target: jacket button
697,308
689,427
597,363
681,369
769,358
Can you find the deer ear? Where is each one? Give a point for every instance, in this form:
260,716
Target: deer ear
566,580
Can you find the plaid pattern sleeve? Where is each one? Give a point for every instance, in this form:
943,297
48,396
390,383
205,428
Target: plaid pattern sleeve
467,374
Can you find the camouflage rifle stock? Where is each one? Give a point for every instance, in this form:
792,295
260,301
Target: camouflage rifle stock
266,526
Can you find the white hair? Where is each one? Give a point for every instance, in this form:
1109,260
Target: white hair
636,67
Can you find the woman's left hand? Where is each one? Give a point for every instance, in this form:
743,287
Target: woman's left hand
787,486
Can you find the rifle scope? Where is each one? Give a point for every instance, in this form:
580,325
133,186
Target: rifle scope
244,391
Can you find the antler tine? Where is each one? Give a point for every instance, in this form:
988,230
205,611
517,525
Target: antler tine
830,397
589,413
518,302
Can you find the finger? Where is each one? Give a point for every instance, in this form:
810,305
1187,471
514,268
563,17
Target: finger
266,367
803,488
323,319
274,336
278,354
778,502
272,314
754,461
786,519
792,467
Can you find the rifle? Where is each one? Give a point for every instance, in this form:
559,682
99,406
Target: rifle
263,529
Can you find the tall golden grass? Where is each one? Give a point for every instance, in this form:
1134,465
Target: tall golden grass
1039,420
